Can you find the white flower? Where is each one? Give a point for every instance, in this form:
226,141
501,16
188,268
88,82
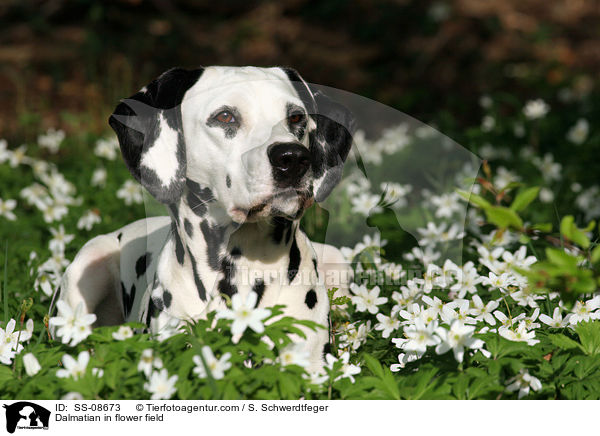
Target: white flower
446,204
216,366
354,337
579,132
148,362
18,157
457,339
244,315
31,364
315,377
449,315
393,139
6,209
161,386
501,281
488,123
535,109
524,297
74,368
295,354
53,210
7,348
74,325
521,334
585,311
88,219
556,321
485,101
366,300
99,177
482,311
366,203
55,263
59,239
386,324
130,192
348,370
504,177
72,396
51,140
523,382
420,336
124,332
35,194
107,148
403,359
550,170
4,152
395,194
426,256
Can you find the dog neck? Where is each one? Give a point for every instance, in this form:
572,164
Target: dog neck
205,245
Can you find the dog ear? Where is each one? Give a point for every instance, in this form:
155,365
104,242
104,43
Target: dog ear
331,140
150,132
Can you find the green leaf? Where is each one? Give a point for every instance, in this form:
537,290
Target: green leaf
474,199
503,217
373,365
542,227
524,198
589,335
596,255
561,258
570,231
563,342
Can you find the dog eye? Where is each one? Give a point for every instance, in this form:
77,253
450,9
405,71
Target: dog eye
295,118
225,117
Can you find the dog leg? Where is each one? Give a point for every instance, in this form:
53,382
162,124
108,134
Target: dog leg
93,279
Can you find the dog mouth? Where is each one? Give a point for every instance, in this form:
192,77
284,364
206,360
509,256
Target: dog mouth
286,204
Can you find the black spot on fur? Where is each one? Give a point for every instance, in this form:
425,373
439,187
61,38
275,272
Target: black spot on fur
288,235
158,303
151,313
326,349
174,211
280,225
119,236
311,299
316,268
142,264
228,181
198,207
127,299
179,251
214,236
187,225
135,123
259,288
199,285
167,298
294,261
225,284
198,197
236,252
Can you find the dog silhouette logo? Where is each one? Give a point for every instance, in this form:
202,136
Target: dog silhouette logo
26,415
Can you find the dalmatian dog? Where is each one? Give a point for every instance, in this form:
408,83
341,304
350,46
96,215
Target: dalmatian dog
237,154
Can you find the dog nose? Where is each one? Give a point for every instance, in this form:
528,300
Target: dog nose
290,161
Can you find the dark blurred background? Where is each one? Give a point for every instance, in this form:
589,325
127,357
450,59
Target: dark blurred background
66,63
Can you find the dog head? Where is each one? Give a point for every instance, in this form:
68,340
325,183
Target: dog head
258,140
